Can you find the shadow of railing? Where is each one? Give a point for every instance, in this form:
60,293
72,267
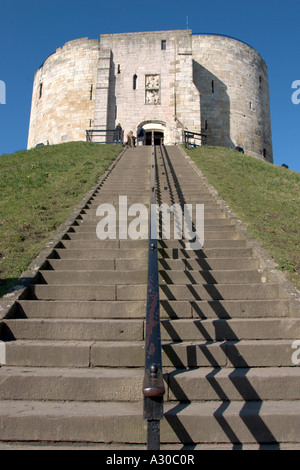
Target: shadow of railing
225,337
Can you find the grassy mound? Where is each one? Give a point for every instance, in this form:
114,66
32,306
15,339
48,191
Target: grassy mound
264,196
38,190
40,187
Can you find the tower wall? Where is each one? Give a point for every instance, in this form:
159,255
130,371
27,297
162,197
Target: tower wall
165,80
63,98
232,80
161,60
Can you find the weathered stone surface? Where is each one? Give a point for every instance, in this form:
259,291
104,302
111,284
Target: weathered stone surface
204,83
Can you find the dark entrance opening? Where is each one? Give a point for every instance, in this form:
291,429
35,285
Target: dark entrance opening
155,136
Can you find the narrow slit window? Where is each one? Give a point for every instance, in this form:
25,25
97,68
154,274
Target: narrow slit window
213,89
163,44
41,91
91,93
119,68
135,82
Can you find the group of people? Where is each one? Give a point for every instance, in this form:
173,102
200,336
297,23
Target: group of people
140,138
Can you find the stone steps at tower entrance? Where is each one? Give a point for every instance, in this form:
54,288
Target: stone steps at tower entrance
74,343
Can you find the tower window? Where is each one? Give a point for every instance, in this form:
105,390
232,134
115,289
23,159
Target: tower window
91,93
163,44
212,89
41,90
119,68
135,82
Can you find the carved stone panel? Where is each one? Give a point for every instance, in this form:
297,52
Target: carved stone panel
152,89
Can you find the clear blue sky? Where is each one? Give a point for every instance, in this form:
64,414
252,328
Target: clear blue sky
30,30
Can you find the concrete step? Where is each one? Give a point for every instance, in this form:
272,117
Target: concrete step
193,197
178,253
119,447
118,277
90,216
56,384
207,264
79,224
125,385
92,278
32,353
123,244
230,329
69,421
96,265
125,292
233,422
168,309
253,384
80,309
193,292
163,253
73,329
142,197
209,229
78,293
213,277
103,244
208,244
235,354
129,329
236,308
141,264
209,235
81,265
102,254
137,197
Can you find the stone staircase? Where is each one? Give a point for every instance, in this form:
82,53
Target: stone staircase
74,344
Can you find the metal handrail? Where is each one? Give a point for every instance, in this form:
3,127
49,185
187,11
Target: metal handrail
107,136
153,385
194,139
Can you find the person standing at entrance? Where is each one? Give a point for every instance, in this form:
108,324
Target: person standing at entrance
141,136
131,139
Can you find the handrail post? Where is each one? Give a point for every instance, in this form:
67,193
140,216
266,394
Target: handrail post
153,385
188,135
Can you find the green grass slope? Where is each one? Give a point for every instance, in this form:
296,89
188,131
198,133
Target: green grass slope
264,196
38,190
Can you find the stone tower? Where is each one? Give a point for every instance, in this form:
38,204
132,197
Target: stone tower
163,81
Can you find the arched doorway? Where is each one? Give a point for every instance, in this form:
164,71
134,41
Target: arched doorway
155,132
154,136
